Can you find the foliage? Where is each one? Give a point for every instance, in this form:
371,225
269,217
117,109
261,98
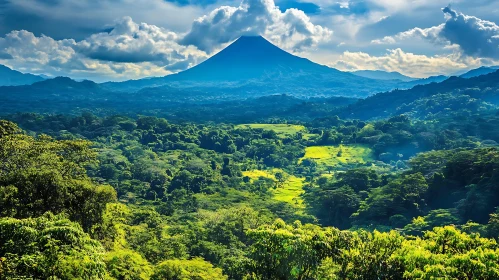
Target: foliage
40,174
195,269
48,247
197,200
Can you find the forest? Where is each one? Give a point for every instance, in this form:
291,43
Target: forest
249,140
410,194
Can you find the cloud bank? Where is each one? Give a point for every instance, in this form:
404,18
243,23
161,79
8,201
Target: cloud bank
473,36
406,63
127,49
291,29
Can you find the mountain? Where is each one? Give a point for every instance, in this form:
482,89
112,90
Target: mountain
425,81
434,96
250,58
479,72
9,77
60,94
383,75
252,66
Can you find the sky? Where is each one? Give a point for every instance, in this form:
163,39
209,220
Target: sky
116,40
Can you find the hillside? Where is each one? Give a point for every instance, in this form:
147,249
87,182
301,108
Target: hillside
383,75
9,77
479,72
389,103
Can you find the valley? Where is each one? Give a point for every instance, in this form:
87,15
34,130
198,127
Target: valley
255,164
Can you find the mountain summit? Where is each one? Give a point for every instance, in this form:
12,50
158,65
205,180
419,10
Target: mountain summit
249,57
252,66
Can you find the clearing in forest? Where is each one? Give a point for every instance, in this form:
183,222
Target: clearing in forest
334,156
289,191
282,130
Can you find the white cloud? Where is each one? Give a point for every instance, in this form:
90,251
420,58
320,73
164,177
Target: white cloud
80,18
473,36
431,34
24,47
132,42
406,63
128,51
133,50
291,29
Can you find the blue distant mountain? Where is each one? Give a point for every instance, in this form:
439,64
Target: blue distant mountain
479,72
9,77
383,75
425,81
251,58
397,102
254,66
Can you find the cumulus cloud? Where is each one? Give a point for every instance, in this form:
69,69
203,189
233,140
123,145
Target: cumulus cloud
291,29
131,42
26,48
128,50
44,55
79,19
406,63
432,34
473,36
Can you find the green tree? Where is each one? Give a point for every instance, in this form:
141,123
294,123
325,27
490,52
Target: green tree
41,174
48,247
281,251
127,265
195,269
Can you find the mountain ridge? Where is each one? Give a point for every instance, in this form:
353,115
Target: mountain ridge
384,104
383,75
253,65
484,70
11,77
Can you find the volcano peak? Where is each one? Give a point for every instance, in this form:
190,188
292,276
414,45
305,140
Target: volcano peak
249,57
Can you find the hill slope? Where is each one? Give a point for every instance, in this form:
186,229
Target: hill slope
9,77
385,104
479,72
383,75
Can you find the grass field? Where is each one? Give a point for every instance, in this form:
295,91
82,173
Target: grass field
290,190
281,130
331,156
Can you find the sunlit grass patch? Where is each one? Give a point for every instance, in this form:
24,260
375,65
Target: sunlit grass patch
334,156
255,174
289,191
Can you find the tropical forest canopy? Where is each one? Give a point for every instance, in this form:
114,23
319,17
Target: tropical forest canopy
275,187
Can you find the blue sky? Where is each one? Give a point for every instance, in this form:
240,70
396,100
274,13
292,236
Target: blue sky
122,39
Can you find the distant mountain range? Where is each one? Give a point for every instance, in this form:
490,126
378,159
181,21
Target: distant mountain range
383,75
386,104
64,95
9,77
484,70
252,66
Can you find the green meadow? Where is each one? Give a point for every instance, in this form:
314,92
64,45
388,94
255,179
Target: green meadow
291,189
334,156
282,130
